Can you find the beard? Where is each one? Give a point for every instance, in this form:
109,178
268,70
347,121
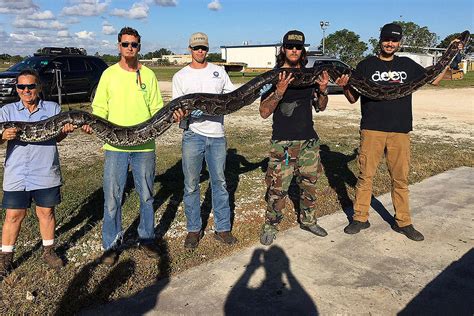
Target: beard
292,63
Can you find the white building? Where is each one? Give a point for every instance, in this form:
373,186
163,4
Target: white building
424,59
255,56
177,59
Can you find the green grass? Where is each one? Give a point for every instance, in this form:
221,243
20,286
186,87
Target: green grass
466,82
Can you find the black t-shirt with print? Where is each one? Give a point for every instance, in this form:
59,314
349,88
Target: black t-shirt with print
388,115
293,117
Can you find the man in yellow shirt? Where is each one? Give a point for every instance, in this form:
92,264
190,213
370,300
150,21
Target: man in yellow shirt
127,94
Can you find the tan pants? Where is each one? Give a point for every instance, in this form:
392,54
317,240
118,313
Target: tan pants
396,146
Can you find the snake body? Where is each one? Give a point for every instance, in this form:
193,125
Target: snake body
218,104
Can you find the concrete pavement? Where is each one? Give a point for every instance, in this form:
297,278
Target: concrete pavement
374,272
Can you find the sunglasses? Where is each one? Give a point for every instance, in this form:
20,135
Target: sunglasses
30,86
126,44
203,48
295,46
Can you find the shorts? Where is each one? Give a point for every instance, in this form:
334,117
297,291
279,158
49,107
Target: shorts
49,197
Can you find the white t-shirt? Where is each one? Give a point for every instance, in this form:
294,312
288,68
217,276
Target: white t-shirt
212,79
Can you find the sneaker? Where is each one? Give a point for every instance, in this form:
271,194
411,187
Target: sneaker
51,258
269,232
6,260
109,257
315,229
225,237
355,226
192,239
151,250
409,231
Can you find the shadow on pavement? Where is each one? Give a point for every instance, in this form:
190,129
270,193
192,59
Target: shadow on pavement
450,293
279,293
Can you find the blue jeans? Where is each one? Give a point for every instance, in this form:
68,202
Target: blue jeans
115,178
196,148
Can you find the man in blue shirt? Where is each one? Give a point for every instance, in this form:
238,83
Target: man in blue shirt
31,171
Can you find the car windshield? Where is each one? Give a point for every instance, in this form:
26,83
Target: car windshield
32,62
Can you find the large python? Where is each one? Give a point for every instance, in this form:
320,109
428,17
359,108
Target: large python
218,104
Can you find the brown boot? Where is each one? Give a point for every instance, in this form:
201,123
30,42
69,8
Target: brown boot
6,260
225,237
192,239
51,258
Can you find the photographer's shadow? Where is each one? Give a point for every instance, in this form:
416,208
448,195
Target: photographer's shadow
279,293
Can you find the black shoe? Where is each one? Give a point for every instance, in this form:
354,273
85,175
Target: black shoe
409,231
355,226
315,229
110,257
192,239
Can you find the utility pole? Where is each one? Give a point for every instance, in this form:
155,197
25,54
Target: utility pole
324,25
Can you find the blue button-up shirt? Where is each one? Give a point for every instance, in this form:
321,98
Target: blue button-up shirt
30,166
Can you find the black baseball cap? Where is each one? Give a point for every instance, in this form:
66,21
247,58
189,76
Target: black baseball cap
391,31
293,37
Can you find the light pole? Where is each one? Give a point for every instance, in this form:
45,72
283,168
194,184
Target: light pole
324,25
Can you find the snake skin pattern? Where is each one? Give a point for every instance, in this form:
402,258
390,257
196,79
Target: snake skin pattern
218,104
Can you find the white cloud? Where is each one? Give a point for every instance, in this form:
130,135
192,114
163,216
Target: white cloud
137,11
166,3
42,25
85,35
108,29
25,37
215,5
86,8
17,6
44,15
73,20
63,34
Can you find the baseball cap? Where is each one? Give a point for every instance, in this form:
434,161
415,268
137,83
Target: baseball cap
391,31
293,37
198,39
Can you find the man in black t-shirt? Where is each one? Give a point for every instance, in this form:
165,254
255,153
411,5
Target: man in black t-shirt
294,146
384,128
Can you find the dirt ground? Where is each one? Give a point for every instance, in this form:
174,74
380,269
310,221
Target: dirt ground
443,113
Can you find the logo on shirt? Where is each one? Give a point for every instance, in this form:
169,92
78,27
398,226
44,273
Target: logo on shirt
216,74
392,76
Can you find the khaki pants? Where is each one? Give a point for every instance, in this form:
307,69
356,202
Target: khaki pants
396,146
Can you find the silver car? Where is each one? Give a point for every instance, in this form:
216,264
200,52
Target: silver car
326,60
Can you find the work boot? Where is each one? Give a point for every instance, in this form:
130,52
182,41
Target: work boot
355,227
269,232
110,257
6,260
192,239
151,250
315,229
51,258
409,231
225,237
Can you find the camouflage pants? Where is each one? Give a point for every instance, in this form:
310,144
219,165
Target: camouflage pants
287,159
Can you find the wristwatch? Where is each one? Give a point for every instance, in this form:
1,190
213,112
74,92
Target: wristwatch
324,93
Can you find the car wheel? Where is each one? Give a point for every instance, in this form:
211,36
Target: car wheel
91,98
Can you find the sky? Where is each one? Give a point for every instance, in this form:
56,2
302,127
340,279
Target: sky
26,25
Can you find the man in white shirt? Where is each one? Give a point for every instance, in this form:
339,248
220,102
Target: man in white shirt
203,138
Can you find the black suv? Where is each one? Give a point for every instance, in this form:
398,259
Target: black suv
326,60
79,74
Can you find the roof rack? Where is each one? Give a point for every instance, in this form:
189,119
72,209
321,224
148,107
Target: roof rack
60,51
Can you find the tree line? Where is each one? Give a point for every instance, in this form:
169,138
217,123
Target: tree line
347,46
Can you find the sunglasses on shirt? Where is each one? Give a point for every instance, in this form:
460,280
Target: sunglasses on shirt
126,44
200,47
295,46
30,86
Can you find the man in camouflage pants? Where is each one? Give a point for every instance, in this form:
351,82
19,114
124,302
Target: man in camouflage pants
294,145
